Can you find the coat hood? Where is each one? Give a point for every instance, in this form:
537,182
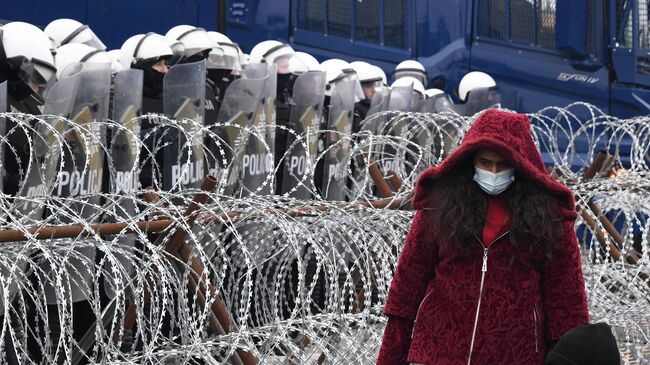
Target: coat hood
509,135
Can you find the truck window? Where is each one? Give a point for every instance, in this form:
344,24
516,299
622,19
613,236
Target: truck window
625,18
530,22
373,21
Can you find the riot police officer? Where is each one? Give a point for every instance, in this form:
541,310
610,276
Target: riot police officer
149,53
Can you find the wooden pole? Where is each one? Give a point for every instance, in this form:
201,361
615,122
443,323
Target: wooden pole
383,189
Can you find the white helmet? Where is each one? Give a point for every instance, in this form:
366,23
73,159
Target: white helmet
310,61
381,72
65,31
429,93
366,72
148,48
333,74
346,69
273,52
194,39
408,81
336,62
71,53
114,55
245,58
298,66
410,68
474,80
25,51
230,59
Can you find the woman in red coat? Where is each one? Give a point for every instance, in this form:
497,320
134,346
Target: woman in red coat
490,272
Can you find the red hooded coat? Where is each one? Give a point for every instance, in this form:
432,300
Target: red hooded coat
440,298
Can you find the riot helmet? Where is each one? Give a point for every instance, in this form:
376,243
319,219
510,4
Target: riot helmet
273,52
65,31
369,77
227,56
381,72
351,75
410,68
78,53
114,55
198,44
333,75
148,52
479,91
310,61
430,93
418,88
472,81
25,60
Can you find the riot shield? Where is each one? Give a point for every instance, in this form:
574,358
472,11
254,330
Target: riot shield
400,98
123,167
83,157
308,97
435,104
270,131
45,157
255,71
257,162
80,175
337,151
127,105
184,101
242,103
390,159
379,103
481,99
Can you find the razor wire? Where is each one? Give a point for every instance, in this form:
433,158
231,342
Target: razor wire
282,278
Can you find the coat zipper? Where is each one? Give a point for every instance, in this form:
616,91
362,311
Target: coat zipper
484,269
536,315
418,312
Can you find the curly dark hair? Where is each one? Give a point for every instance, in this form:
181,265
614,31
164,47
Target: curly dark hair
461,207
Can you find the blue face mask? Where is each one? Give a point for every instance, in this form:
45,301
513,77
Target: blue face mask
491,183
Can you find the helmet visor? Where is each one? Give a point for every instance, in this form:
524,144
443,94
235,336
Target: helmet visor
37,74
416,74
297,66
226,58
85,35
178,52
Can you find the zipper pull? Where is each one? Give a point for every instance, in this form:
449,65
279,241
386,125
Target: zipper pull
485,257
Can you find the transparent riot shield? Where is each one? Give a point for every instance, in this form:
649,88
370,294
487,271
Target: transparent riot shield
257,164
271,117
379,103
183,164
3,108
337,151
435,104
481,99
123,166
255,71
81,174
49,144
400,99
241,105
390,159
300,156
125,146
